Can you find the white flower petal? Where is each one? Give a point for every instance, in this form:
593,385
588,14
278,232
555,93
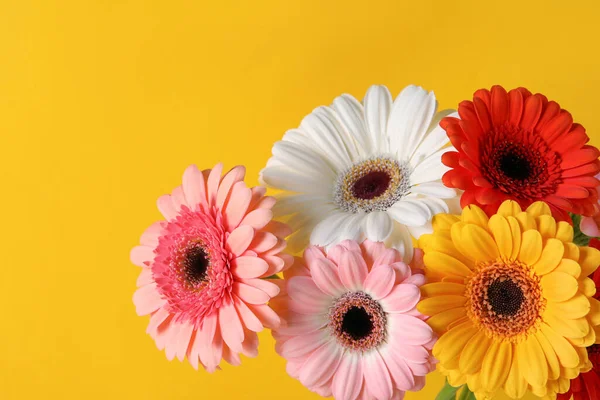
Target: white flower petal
292,204
435,139
282,177
434,189
411,115
351,115
400,240
435,205
327,137
327,231
352,228
417,231
410,213
430,169
378,226
378,104
301,158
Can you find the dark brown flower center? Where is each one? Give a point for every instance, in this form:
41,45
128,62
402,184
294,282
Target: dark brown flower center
194,265
505,296
371,185
515,165
357,321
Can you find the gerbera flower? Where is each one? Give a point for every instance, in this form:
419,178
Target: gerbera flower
591,225
203,268
370,170
510,298
521,147
586,386
352,328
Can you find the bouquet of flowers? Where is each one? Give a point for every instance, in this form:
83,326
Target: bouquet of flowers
401,240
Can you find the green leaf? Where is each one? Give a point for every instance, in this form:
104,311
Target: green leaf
448,392
273,277
466,394
579,238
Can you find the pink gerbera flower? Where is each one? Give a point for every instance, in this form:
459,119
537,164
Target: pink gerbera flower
352,327
204,268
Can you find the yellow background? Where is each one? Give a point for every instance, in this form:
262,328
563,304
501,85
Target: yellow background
104,103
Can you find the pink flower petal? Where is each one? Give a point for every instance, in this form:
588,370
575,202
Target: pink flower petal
171,340
194,188
312,253
268,286
147,299
250,344
166,207
380,281
237,206
231,357
183,339
352,269
302,324
589,227
303,345
326,277
145,278
247,267
416,279
142,256
250,294
306,297
231,327
263,241
266,315
178,198
377,377
402,298
278,229
236,174
348,378
321,364
258,219
192,353
258,193
250,320
214,352
398,395
388,257
409,329
239,240
335,253
156,319
372,250
411,354
150,236
400,372
212,184
276,263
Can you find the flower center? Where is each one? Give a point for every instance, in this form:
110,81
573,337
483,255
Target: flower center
371,185
195,265
519,163
505,299
357,321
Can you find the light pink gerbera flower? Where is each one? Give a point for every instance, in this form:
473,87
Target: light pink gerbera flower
203,272
352,327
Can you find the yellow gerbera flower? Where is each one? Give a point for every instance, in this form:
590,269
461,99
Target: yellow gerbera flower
510,298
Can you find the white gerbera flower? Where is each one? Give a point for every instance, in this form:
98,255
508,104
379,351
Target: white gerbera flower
363,171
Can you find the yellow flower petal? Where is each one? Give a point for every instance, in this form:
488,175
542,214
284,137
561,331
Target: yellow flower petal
594,315
550,354
441,288
587,287
450,344
577,306
474,382
496,365
540,391
567,356
531,247
539,208
437,304
444,221
444,264
547,226
509,208
526,221
570,267
550,258
585,341
425,241
502,234
515,385
479,244
559,286
569,328
531,357
472,355
589,259
571,251
446,246
440,322
472,214
515,230
564,231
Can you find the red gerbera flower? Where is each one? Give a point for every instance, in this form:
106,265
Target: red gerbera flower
586,386
522,147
